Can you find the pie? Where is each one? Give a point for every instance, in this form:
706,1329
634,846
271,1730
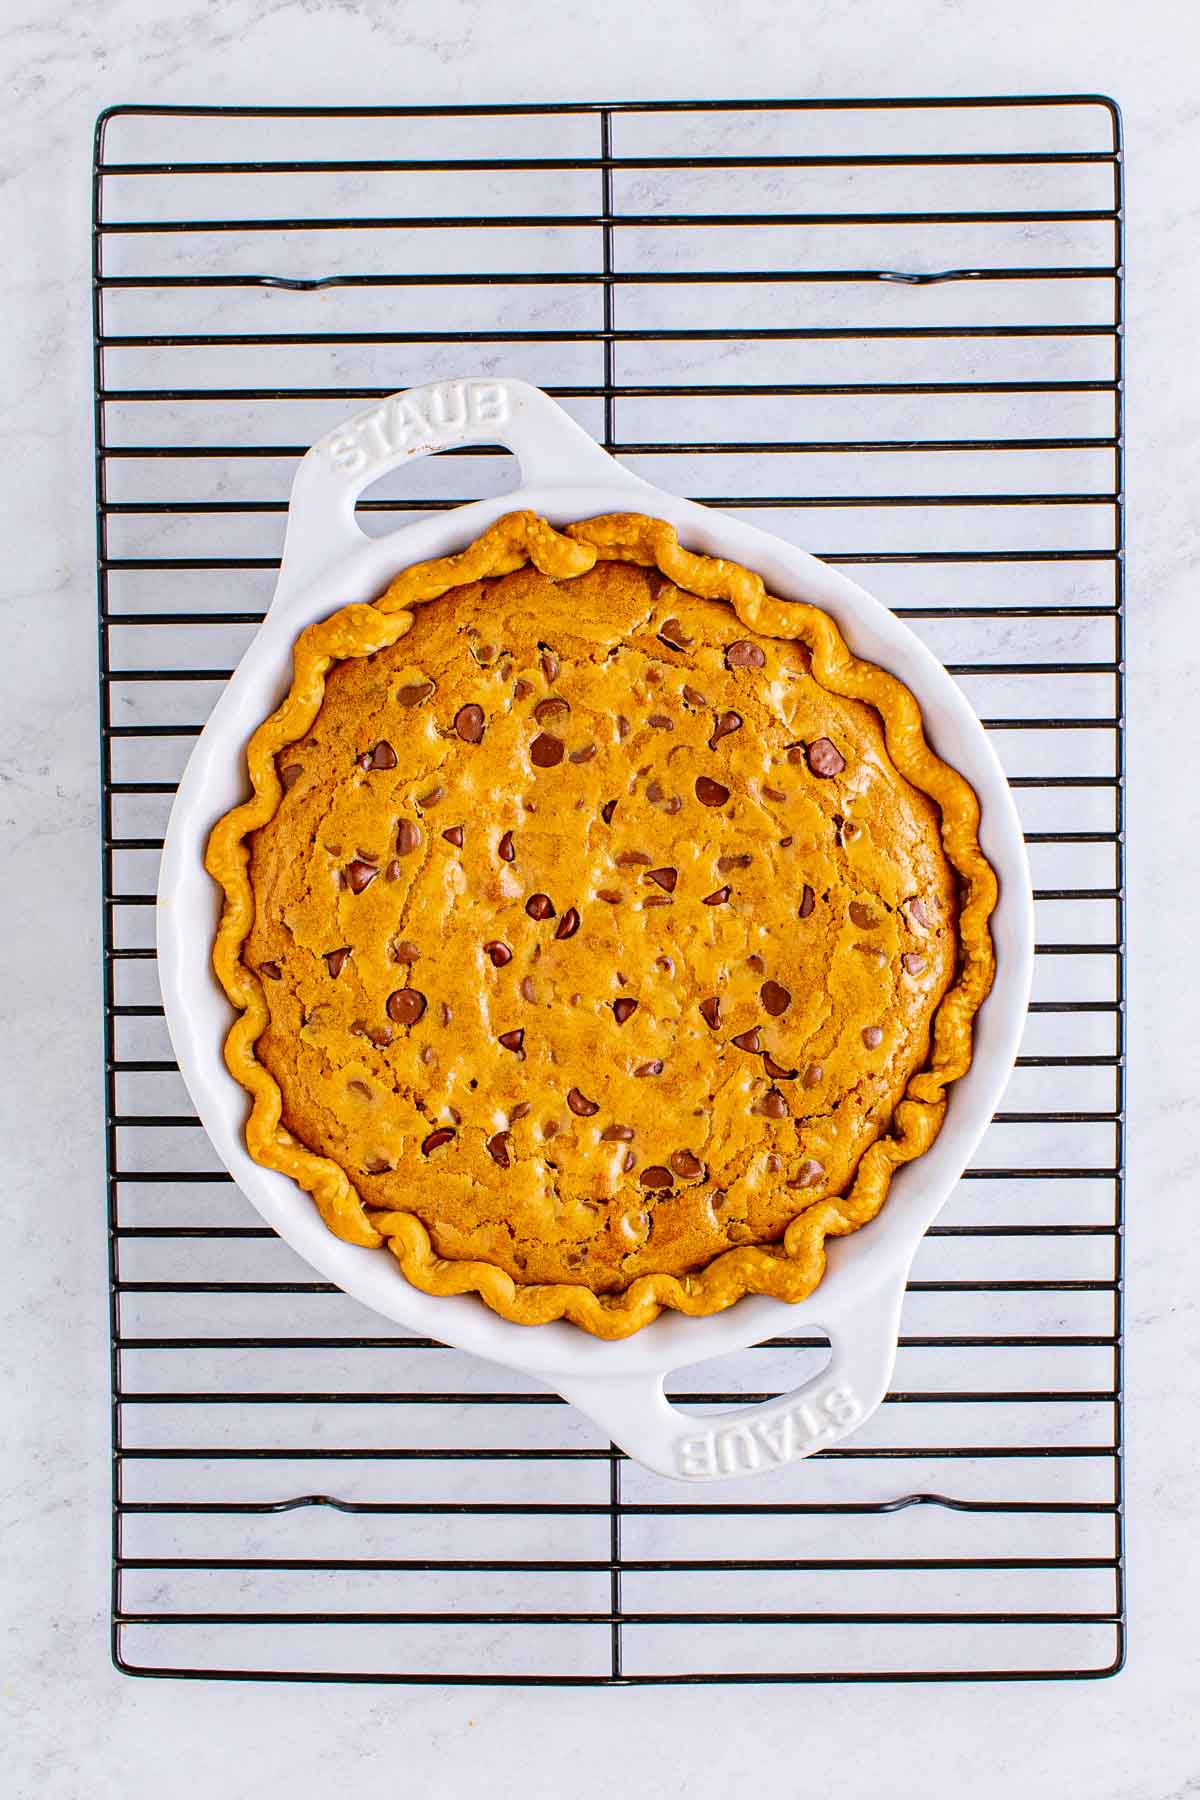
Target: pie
602,933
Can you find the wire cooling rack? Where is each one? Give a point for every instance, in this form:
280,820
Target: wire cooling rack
891,331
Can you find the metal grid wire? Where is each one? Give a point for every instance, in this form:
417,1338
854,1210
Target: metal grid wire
891,331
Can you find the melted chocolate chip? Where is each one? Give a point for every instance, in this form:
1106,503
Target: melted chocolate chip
406,1006
726,724
549,709
694,697
527,990
710,792
808,1175
408,837
497,1149
512,1040
814,1075
550,665
521,1110
546,751
775,999
568,925
583,756
862,916
824,759
540,906
775,1070
623,1009
360,875
335,961
632,859
656,1177
725,863
661,722
710,1012
653,1067
271,970
454,836
748,1040
872,1036
773,1105
436,1139
773,794
744,655
756,963
290,776
505,849
672,634
686,1165
432,797
414,693
499,953
617,1134
611,896
405,951
580,1105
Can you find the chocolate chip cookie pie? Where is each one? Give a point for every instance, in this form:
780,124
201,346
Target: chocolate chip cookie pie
603,934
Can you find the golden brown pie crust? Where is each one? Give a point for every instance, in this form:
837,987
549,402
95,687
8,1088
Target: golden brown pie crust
612,933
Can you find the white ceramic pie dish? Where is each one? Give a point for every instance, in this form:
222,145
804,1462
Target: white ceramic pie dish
327,561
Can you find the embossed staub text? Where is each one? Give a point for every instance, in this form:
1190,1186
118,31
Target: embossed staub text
426,420
775,1435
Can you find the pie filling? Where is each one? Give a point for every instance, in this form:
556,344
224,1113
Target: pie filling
596,948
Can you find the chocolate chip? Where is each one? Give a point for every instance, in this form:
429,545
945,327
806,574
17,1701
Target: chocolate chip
725,863
527,990
335,961
710,792
454,836
512,1040
521,1110
406,1006
497,1149
694,697
612,896
550,1128
632,859
917,910
656,1177
756,963
484,653
725,726
627,1161
718,898
663,878
290,776
874,951
622,726
432,797
540,906
393,871
550,665
775,1071
661,722
872,1037
499,953
808,1175
377,1165
607,811
623,1009
358,1087
665,964
414,694
382,756
468,723
814,1075
436,1139
653,1067
360,875
580,1105
379,1035
807,901
796,753
405,951
568,925
672,634
862,916
786,843
583,756
552,708
773,1105
271,970
710,1011
546,752
773,794
913,962
748,1040
686,1165
505,848
522,688
773,1164
744,655
617,1134
823,759
775,999
408,837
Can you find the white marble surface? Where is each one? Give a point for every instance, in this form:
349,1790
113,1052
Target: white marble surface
76,1728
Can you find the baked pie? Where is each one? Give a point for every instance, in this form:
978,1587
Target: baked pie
602,933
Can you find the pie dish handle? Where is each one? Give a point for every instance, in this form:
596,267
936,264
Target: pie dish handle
552,450
635,1412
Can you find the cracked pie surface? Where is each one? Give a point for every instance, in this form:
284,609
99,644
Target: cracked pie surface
602,933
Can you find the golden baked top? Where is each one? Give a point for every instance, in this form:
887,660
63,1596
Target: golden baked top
590,925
